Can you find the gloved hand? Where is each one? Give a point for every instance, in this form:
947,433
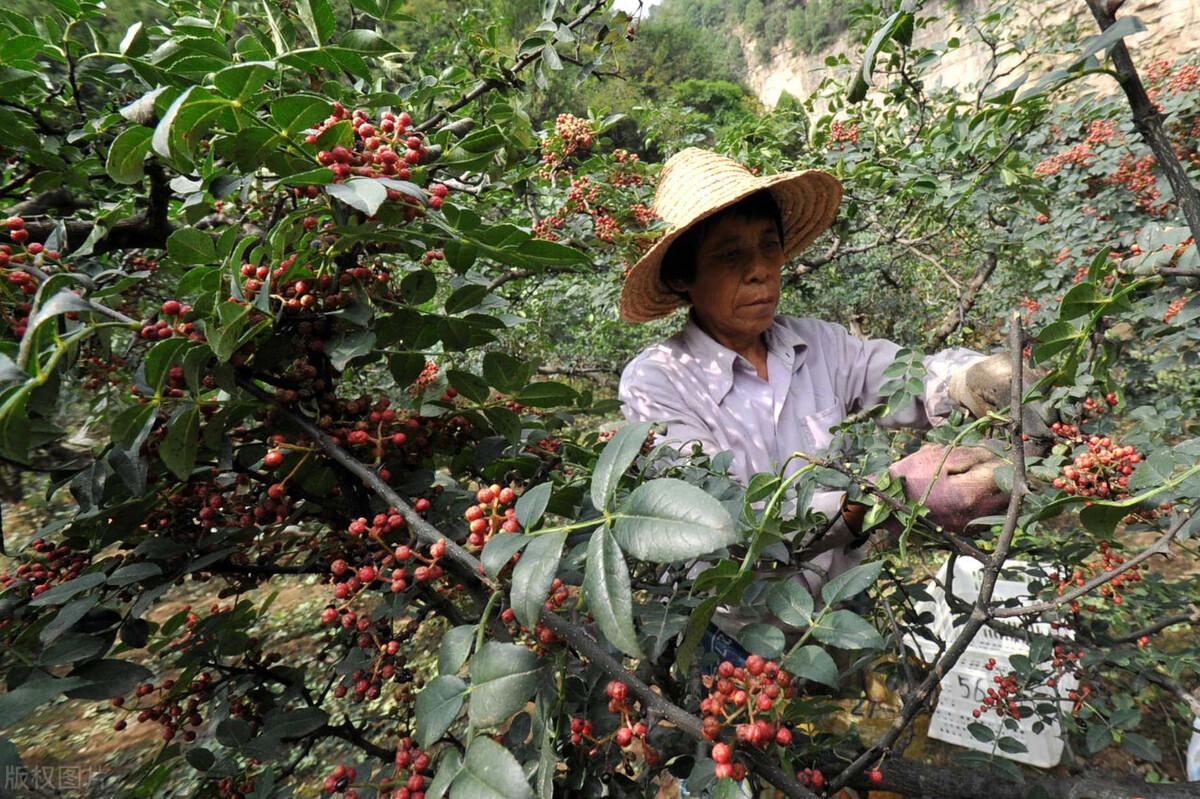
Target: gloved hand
965,488
986,386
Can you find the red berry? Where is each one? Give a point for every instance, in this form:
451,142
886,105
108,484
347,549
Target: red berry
273,459
171,308
624,736
875,776
722,752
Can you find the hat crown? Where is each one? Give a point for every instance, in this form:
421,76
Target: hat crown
694,181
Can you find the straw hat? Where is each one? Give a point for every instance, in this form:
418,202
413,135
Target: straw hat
695,184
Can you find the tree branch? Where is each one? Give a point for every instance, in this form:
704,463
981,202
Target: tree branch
919,698
1149,121
1160,547
492,83
966,300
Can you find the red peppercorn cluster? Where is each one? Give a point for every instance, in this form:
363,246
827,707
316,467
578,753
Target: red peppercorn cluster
396,567
175,321
1002,698
842,133
1102,471
811,778
51,564
571,134
432,255
722,755
340,780
494,513
391,149
753,698
412,767
162,704
428,374
298,289
1175,307
1111,591
630,727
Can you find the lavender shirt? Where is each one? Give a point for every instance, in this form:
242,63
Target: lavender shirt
818,374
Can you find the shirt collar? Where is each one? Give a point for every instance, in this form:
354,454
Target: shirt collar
717,361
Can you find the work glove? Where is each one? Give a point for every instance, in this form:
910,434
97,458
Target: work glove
965,489
986,386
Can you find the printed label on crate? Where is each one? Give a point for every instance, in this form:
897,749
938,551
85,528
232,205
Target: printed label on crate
965,686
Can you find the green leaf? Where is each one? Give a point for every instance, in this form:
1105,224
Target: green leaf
294,113
297,723
547,394
438,705
240,81
125,157
449,767
1055,338
845,630
504,372
533,574
419,287
851,583
1102,519
470,386
179,446
1082,300
361,194
200,758
503,678
64,591
187,245
812,663
1007,743
791,603
504,422
60,303
609,595
108,678
134,572
489,771
532,504
765,640
696,625
667,520
465,298
186,121
1125,26
66,617
1098,738
19,702
981,732
318,18
614,460
498,551
455,648
159,360
366,40
1141,747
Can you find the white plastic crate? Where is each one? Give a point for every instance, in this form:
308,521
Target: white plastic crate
964,686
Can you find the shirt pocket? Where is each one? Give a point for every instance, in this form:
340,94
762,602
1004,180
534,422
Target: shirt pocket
816,425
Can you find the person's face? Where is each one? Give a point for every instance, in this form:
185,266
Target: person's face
738,269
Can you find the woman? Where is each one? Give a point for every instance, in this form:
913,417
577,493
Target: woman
738,377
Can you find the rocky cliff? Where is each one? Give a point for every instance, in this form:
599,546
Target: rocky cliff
1173,30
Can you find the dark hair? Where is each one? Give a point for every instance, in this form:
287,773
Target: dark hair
679,262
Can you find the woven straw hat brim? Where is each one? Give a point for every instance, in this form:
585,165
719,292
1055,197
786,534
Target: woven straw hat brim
696,184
